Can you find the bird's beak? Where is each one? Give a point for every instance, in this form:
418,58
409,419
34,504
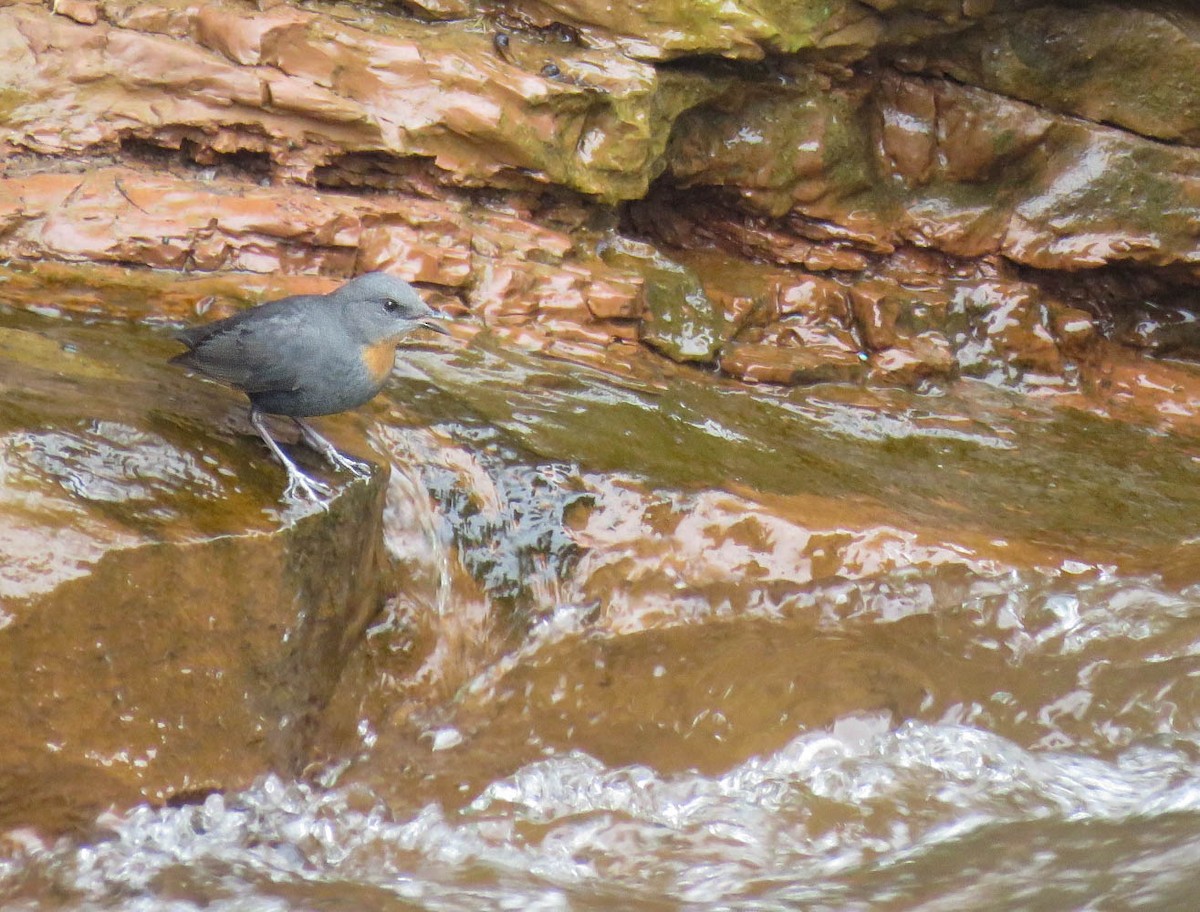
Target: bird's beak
436,325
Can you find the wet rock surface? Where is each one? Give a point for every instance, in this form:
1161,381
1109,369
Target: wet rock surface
769,656
932,163
315,97
846,173
1089,61
998,160
620,604
170,626
805,499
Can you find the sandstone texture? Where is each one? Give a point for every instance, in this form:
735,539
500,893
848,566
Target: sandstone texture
315,97
163,634
688,200
833,145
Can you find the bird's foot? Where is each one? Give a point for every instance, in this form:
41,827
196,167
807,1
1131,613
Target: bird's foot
299,485
304,487
331,453
356,467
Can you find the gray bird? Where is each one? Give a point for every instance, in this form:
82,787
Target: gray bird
310,355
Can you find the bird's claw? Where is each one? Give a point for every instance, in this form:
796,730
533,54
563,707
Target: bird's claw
331,453
302,487
355,467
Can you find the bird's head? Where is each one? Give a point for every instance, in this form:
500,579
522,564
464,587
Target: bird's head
380,308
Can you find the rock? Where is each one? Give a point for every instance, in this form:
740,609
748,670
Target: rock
1075,329
636,511
913,360
1131,67
680,321
85,12
875,313
651,30
957,168
123,215
744,293
299,92
842,29
792,365
679,698
690,222
511,272
802,205
1012,330
446,9
819,299
168,627
615,299
460,167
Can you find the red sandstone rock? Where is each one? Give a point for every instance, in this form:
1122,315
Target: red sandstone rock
875,313
304,90
85,12
758,363
912,360
934,164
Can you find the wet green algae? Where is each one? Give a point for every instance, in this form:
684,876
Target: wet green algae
975,458
681,322
1007,462
1087,60
654,30
103,441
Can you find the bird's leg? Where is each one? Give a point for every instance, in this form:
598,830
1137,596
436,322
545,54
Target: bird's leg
330,452
298,484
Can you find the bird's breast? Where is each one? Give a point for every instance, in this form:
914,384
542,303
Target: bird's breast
378,359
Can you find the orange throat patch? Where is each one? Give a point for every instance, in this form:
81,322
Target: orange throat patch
379,358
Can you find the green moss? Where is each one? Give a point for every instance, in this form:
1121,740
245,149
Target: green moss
682,322
626,135
1062,478
847,148
1004,142
11,100
1136,68
33,350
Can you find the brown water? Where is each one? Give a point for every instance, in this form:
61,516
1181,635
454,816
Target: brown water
661,642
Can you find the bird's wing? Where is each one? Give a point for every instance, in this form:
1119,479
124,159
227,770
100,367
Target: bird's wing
266,353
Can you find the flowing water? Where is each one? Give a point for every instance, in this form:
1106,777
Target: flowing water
658,641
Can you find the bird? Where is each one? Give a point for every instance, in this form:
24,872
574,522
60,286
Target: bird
308,355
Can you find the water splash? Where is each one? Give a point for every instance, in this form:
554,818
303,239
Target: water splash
863,794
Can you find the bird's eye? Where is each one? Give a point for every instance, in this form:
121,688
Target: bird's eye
390,305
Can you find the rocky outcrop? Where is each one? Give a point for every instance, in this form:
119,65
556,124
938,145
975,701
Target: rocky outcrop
672,623
648,30
868,194
313,99
1127,65
162,633
883,157
907,160
842,165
